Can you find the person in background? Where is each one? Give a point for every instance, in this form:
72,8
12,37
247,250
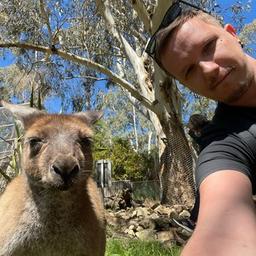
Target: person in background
196,124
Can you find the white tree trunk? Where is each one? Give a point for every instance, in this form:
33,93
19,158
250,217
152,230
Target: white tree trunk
149,142
135,129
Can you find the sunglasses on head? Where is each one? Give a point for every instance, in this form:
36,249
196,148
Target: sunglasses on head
172,13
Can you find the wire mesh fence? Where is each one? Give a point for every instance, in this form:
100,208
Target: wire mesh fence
140,189
177,170
7,145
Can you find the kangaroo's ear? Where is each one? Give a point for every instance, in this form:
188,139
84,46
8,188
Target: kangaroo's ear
25,114
90,117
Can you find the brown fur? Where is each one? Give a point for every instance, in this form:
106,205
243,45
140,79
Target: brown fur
39,214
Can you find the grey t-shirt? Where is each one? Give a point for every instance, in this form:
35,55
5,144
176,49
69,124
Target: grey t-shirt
223,144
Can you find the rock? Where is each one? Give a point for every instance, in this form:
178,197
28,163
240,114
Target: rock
163,210
112,219
150,204
132,227
186,234
126,216
147,202
184,214
141,211
147,223
154,216
146,234
130,232
139,228
178,208
134,214
162,223
164,236
110,203
173,214
133,222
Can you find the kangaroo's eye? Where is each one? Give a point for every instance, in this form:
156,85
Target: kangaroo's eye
34,141
85,141
35,144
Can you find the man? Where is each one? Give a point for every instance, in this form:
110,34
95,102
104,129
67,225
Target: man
195,49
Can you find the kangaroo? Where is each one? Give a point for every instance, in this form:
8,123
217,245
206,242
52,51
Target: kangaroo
53,207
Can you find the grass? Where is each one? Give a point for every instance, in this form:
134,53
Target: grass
125,247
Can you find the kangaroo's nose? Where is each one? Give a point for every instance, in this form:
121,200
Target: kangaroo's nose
67,168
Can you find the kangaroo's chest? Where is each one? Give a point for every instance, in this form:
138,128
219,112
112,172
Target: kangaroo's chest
48,230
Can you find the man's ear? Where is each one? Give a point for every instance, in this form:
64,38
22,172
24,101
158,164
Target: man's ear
230,29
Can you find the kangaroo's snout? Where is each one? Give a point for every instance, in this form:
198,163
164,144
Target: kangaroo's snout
67,168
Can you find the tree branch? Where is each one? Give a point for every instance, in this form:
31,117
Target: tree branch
140,36
142,13
136,61
87,77
47,22
85,62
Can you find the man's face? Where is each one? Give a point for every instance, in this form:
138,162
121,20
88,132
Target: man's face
208,60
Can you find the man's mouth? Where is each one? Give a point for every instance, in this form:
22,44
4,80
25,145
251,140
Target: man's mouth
221,79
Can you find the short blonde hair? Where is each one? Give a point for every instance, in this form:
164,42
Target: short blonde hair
164,34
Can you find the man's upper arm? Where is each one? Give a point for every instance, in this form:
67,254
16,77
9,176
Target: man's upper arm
230,153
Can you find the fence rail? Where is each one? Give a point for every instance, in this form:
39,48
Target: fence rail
140,189
6,125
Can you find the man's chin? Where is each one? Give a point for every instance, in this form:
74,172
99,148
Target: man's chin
237,98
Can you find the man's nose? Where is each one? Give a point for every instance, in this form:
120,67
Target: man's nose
209,68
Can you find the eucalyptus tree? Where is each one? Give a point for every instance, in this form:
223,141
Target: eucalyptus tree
107,37
26,86
248,37
126,119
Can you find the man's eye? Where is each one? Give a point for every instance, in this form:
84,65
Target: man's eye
209,47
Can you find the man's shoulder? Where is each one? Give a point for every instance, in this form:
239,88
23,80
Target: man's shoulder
233,117
227,119
222,107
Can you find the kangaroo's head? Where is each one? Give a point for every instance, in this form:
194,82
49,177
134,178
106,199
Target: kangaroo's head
57,148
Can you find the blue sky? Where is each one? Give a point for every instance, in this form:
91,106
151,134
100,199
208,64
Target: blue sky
7,61
250,16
